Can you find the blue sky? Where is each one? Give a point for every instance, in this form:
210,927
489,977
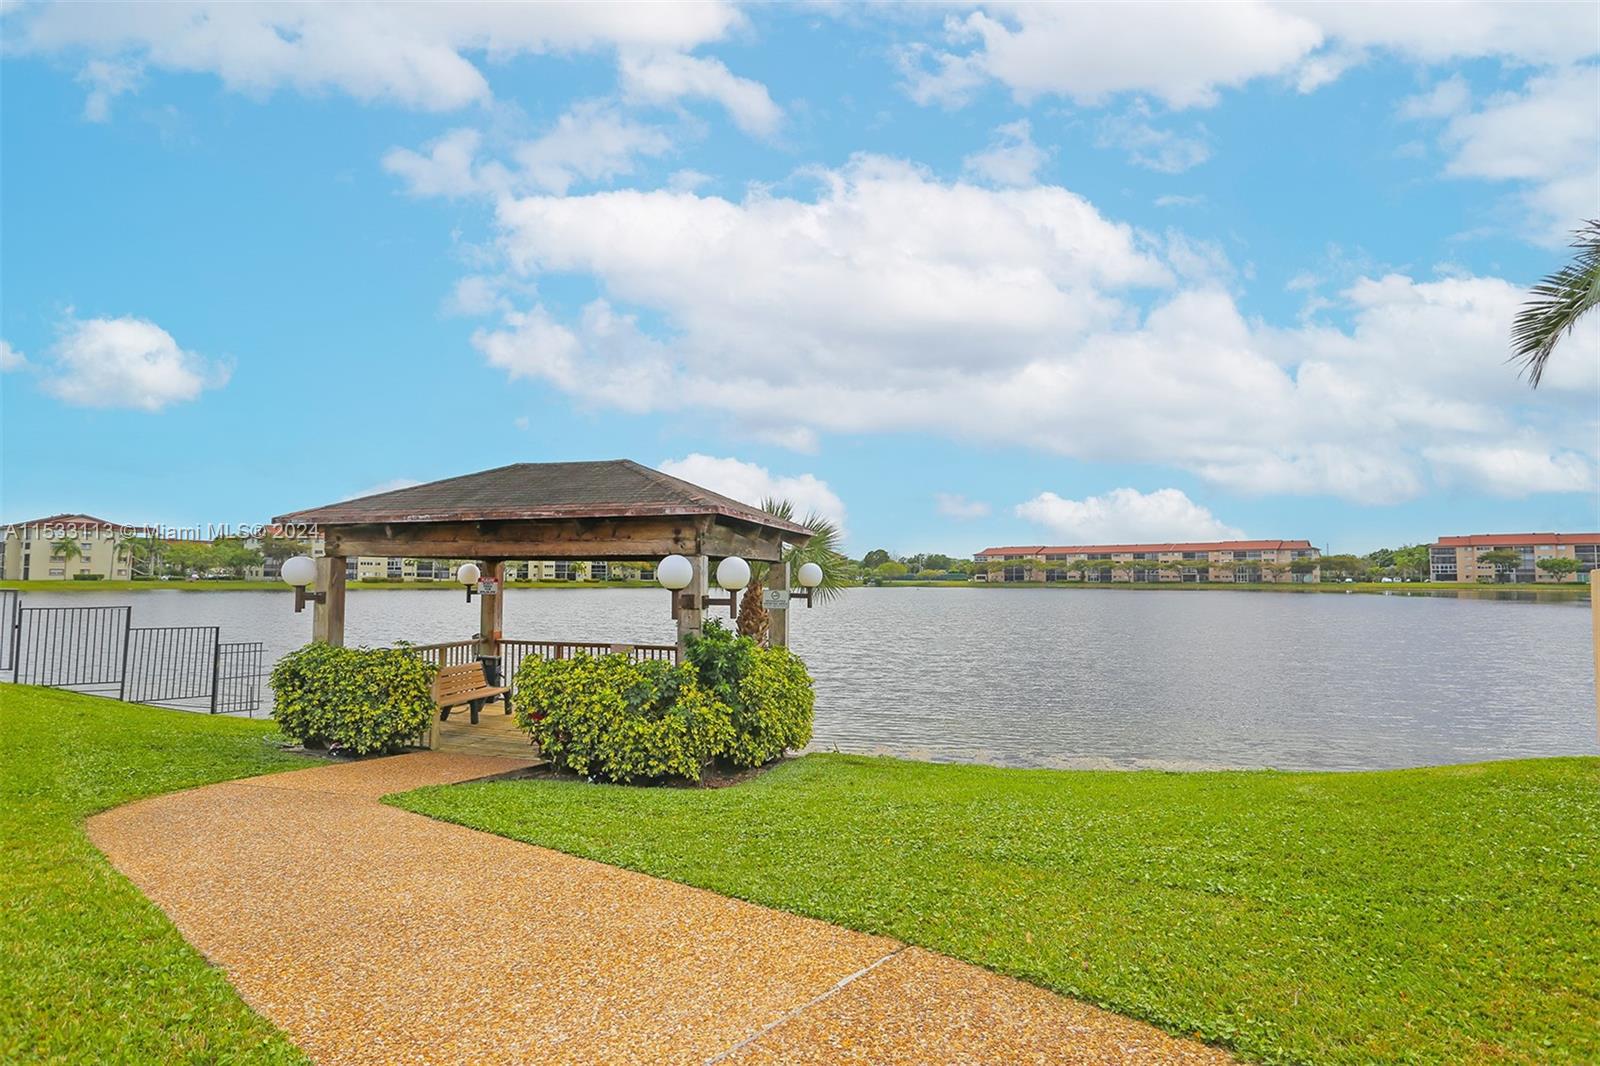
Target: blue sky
960,276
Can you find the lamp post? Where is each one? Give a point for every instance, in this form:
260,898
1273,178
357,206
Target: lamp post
300,571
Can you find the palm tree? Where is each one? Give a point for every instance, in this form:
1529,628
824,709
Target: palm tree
822,549
1557,303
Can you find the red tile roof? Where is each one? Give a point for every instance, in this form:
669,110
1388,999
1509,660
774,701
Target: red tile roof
76,521
1193,546
1515,540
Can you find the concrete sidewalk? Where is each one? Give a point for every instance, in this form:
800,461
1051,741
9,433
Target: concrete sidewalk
374,935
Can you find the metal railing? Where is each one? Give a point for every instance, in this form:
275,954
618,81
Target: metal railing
173,664
71,647
10,604
98,650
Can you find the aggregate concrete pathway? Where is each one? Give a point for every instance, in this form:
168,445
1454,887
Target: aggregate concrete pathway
374,935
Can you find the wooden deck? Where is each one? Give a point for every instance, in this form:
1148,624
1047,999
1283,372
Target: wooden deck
495,734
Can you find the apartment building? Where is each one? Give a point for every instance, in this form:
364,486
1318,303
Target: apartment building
377,568
1463,558
66,547
1235,561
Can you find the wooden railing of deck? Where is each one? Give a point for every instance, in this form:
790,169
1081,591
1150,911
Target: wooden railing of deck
512,652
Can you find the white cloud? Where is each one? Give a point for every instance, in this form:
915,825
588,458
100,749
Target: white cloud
592,142
411,54
11,358
1544,137
1176,200
954,505
476,295
107,79
1011,158
127,362
1150,146
1449,97
750,483
447,168
688,180
1126,516
1514,469
894,302
1184,54
667,77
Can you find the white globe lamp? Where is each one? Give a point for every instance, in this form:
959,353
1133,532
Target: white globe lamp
300,571
810,576
468,574
675,572
733,573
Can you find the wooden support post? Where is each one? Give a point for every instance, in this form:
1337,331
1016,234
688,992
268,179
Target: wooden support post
690,619
492,608
778,619
327,617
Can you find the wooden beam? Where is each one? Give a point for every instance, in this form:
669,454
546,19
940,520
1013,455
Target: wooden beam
491,609
778,620
327,617
596,539
690,619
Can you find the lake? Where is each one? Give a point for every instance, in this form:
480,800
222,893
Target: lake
1078,677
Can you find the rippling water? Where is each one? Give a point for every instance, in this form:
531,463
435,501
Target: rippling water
1080,677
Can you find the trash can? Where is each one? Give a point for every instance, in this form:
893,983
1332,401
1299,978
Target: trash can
491,670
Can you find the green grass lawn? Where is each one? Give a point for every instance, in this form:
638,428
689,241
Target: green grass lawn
91,971
1438,915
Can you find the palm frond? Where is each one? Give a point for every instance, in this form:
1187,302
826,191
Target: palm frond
822,549
1557,303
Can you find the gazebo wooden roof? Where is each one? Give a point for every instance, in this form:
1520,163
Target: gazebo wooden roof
615,509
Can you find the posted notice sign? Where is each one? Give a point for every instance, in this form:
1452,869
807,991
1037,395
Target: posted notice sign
775,599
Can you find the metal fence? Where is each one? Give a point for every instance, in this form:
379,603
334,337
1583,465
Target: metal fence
98,650
71,647
10,604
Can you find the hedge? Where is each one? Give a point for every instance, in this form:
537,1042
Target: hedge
767,690
357,700
610,718
607,717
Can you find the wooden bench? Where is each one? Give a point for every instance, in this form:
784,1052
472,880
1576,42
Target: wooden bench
464,684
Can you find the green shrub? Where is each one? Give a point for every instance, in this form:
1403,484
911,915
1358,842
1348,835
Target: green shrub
357,700
774,711
88,577
767,690
608,717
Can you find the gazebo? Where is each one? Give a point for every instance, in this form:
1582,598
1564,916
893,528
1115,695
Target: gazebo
610,510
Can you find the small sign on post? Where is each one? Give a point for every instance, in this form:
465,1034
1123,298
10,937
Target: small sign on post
775,599
487,586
